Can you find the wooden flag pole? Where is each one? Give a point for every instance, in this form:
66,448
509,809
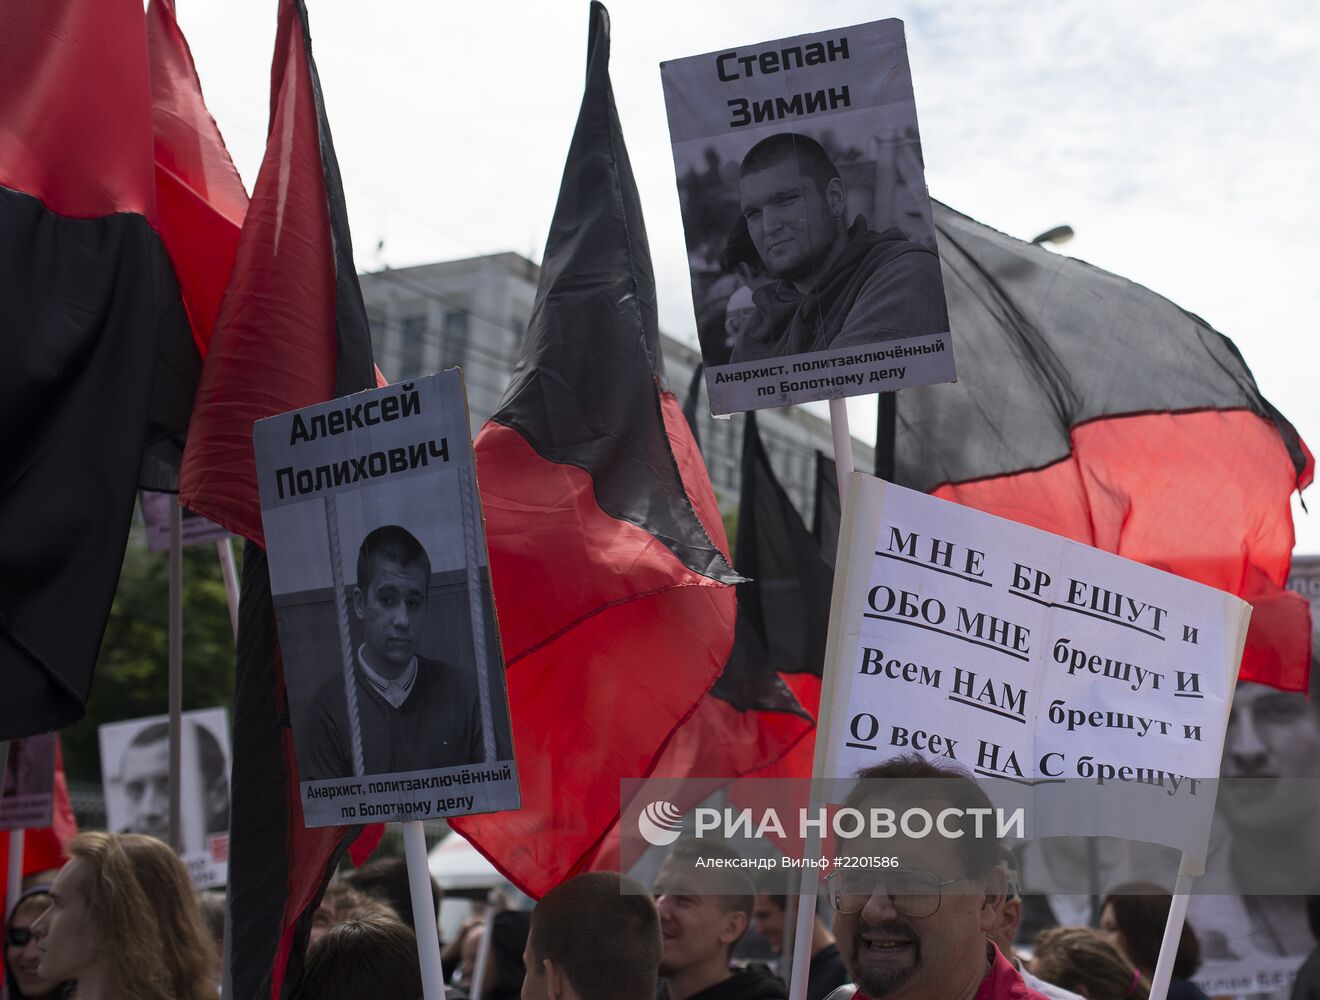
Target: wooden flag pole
423,904
176,672
1188,869
806,902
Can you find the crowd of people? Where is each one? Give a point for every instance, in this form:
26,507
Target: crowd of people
121,919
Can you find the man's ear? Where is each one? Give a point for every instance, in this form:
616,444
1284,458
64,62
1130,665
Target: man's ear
735,924
556,983
996,888
359,603
836,197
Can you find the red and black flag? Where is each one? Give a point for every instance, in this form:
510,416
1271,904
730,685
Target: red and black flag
607,551
97,362
1096,409
291,331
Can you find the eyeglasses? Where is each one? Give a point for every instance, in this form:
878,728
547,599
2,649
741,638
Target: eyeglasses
912,893
18,936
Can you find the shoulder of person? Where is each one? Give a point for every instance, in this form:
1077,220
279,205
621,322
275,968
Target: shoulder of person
844,992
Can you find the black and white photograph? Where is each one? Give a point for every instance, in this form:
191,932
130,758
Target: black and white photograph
811,247
381,586
135,775
193,528
27,798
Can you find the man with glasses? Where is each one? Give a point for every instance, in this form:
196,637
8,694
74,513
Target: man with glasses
919,931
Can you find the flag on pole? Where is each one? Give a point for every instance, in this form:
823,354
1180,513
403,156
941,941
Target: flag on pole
608,556
271,352
1096,409
98,363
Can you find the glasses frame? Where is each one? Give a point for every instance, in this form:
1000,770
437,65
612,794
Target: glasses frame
12,934
830,884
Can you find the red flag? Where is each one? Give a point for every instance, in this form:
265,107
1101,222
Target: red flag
291,331
1093,408
97,362
608,556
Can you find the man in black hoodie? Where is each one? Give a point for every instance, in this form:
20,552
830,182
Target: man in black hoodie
839,284
704,912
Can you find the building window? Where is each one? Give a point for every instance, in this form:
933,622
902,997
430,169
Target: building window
454,345
412,346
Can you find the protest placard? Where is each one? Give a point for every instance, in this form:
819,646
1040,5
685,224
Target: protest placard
381,585
194,529
1067,678
135,774
29,783
810,242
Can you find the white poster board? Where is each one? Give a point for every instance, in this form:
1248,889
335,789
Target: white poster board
381,584
135,774
27,799
1067,678
810,241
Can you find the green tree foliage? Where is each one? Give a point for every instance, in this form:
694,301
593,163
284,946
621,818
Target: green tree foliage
131,672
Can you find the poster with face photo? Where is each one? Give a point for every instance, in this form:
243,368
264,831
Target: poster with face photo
135,774
812,251
381,585
29,783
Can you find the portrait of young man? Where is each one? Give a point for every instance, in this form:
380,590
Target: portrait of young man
836,283
413,713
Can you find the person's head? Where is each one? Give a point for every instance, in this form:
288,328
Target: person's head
21,954
1081,960
768,918
704,911
144,773
362,959
1132,919
594,937
342,902
386,879
1271,734
394,574
124,913
211,905
1010,911
794,204
918,930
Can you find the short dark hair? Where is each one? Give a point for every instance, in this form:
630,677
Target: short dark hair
1141,909
812,160
603,930
361,959
739,249
394,543
915,777
386,879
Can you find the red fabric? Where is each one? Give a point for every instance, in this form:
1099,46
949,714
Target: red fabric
1201,494
76,93
44,849
1002,982
603,664
199,195
273,348
365,845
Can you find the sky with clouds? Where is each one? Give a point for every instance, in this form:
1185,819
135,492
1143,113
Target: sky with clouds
1180,140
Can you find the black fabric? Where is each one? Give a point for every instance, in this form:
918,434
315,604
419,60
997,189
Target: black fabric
1052,343
744,984
88,304
692,401
825,520
594,335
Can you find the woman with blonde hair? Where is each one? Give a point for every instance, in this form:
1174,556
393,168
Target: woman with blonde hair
124,923
1081,960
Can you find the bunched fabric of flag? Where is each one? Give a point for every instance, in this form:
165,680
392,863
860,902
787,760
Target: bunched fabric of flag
1096,409
607,550
119,209
291,331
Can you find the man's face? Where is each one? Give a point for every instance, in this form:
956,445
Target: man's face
393,611
146,775
768,919
791,221
695,929
1271,734
66,940
894,955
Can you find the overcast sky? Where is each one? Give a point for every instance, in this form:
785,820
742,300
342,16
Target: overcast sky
1180,140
